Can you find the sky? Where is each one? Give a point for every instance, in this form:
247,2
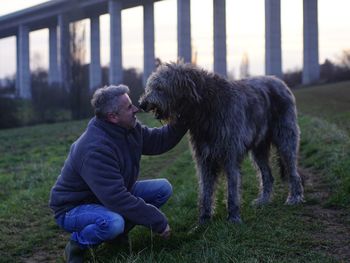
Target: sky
245,30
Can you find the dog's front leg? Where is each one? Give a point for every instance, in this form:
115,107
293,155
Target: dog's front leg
233,189
207,182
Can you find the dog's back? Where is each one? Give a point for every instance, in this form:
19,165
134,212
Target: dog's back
273,88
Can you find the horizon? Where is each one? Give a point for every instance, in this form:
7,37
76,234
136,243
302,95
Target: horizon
334,37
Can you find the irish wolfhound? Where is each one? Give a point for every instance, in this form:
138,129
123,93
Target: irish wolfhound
226,119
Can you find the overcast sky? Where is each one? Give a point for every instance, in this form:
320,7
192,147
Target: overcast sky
245,34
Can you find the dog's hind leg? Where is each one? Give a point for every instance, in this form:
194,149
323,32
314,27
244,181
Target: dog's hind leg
233,192
261,159
287,145
207,174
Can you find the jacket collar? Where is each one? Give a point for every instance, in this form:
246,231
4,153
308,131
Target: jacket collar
114,130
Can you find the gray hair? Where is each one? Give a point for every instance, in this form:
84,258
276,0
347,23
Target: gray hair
105,99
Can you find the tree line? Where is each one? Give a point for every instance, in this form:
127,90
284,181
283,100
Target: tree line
52,103
329,71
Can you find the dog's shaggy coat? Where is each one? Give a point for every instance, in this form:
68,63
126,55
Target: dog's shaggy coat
226,119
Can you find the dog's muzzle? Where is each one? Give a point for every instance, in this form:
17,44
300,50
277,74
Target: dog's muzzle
147,107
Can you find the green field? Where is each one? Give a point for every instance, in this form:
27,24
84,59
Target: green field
31,159
330,102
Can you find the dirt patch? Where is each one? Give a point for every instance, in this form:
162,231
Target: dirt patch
51,252
333,235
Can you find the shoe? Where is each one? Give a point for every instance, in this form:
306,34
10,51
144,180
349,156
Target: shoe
73,253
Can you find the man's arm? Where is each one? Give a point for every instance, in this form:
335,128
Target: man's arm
101,172
160,140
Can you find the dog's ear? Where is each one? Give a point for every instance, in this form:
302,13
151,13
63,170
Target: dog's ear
183,82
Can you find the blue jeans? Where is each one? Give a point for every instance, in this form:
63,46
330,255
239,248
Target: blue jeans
91,224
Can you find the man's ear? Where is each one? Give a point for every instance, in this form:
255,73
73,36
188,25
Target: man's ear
112,117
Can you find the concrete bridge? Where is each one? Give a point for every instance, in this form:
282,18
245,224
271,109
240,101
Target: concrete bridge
57,14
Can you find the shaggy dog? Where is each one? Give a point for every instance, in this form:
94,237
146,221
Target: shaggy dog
226,119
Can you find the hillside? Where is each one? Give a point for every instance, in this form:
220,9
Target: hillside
330,102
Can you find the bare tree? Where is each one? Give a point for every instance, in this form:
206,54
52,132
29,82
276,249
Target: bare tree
231,74
345,59
244,68
79,88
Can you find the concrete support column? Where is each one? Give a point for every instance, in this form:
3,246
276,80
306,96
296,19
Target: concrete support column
53,57
220,64
23,66
64,52
95,63
273,53
184,30
148,39
115,67
311,67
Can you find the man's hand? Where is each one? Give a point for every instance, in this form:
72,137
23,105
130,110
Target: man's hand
166,233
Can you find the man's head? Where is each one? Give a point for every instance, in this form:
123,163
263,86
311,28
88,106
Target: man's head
113,104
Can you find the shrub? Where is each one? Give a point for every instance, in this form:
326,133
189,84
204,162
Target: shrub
8,113
49,102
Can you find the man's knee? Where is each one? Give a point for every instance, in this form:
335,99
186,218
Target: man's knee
166,189
111,228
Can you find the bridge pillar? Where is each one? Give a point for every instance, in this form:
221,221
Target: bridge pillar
184,30
148,39
64,52
115,67
53,76
220,63
273,57
23,67
95,75
311,67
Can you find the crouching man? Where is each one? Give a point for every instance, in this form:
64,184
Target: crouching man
97,196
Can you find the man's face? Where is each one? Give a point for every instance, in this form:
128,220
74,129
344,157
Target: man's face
125,117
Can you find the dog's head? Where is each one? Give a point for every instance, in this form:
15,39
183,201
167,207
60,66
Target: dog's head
172,91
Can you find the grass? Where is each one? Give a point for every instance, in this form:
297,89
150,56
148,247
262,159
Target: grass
31,159
270,234
325,138
329,102
326,149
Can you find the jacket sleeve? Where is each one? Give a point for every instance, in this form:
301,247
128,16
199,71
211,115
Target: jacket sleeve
101,172
160,140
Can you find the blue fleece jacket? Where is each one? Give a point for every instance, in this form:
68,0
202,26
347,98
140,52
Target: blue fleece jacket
103,165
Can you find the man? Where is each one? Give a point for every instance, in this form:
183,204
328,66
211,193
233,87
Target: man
96,197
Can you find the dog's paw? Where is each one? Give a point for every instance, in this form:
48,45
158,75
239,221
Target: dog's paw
295,200
235,219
